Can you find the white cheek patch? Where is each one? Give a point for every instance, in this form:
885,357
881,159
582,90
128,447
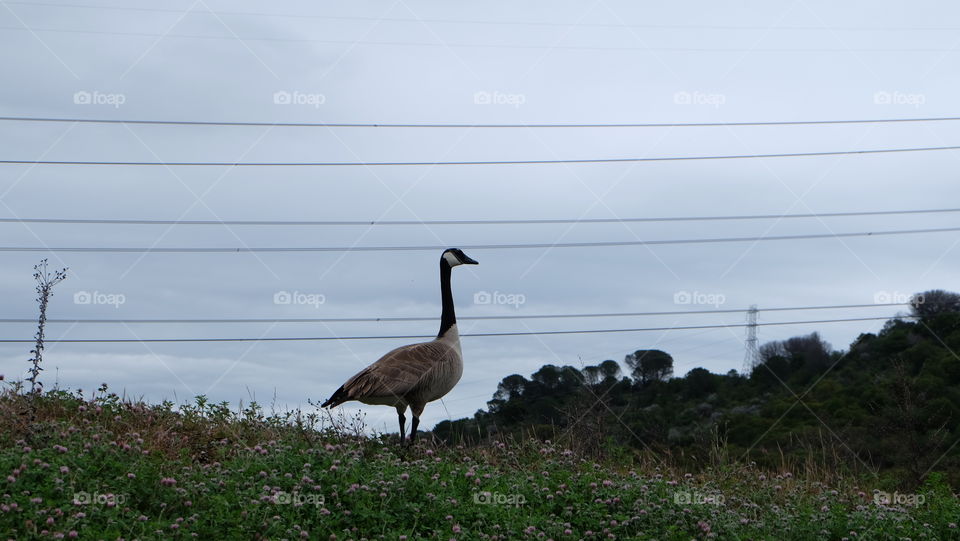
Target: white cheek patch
451,259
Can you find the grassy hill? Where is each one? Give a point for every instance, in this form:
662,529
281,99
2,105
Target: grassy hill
96,467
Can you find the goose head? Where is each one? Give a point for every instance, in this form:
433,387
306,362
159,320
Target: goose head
455,256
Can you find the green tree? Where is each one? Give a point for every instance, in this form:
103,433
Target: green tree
649,365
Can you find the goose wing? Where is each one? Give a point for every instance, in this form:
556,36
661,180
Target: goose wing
398,373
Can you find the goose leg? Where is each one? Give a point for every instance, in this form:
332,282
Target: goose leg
403,421
413,429
417,409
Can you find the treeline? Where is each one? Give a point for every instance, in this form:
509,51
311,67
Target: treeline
889,404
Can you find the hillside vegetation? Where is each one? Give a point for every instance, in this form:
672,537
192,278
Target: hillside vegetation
96,467
887,408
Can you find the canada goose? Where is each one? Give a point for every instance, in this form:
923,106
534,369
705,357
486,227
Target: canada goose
418,373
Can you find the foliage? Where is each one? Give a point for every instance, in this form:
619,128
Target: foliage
104,468
888,408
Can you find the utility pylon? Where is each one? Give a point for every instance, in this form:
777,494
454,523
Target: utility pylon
751,357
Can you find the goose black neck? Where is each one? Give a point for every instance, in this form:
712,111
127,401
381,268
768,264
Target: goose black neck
447,316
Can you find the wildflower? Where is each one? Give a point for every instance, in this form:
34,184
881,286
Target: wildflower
168,481
64,469
404,476
456,528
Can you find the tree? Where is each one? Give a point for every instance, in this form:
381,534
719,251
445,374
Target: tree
808,351
700,382
511,387
649,365
548,376
610,369
592,374
934,302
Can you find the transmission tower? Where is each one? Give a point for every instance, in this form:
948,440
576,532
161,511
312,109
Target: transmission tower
752,356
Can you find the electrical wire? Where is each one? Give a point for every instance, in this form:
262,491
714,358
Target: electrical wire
425,336
471,126
432,318
545,245
487,162
86,221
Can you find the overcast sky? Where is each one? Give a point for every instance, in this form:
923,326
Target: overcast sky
443,62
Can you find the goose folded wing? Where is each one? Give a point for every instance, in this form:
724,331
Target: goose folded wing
400,371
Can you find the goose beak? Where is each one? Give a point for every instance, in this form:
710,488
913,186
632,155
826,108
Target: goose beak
468,260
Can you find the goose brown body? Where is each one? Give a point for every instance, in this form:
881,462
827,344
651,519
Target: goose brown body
415,374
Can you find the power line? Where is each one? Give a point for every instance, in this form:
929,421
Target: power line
467,21
420,21
471,125
432,318
487,162
426,336
82,221
516,46
269,249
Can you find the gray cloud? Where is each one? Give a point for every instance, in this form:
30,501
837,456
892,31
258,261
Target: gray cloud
721,75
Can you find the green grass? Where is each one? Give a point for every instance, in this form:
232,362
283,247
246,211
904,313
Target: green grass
101,468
